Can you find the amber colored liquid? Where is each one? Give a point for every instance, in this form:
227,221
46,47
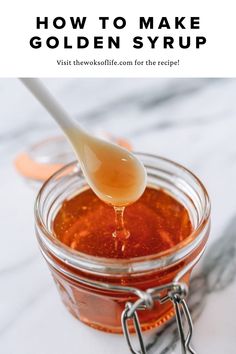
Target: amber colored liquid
156,222
116,175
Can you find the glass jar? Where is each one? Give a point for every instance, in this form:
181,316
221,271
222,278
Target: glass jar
96,290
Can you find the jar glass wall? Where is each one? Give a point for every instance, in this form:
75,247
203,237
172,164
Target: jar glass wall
90,286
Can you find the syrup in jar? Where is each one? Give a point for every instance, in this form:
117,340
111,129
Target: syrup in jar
154,223
167,229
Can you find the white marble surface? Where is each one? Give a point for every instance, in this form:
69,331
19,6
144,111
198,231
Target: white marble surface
192,121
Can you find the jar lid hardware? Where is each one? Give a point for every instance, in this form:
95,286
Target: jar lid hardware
175,293
185,340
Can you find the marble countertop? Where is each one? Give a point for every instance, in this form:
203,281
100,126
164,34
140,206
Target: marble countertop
192,121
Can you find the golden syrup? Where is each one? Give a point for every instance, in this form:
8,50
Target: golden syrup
154,223
115,175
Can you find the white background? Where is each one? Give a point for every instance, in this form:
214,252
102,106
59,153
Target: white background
18,24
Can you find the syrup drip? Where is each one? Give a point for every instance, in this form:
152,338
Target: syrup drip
121,234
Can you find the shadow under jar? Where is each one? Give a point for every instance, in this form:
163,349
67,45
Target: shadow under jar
96,290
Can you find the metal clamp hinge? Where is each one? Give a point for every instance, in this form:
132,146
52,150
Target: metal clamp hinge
175,292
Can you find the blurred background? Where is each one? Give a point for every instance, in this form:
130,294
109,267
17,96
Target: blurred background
191,121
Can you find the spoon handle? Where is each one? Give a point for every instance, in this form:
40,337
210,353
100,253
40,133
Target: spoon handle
50,103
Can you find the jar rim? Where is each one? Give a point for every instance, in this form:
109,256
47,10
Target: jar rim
116,266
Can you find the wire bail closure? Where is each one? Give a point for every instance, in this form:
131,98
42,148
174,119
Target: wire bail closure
176,292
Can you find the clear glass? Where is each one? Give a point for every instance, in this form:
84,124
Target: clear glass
76,274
